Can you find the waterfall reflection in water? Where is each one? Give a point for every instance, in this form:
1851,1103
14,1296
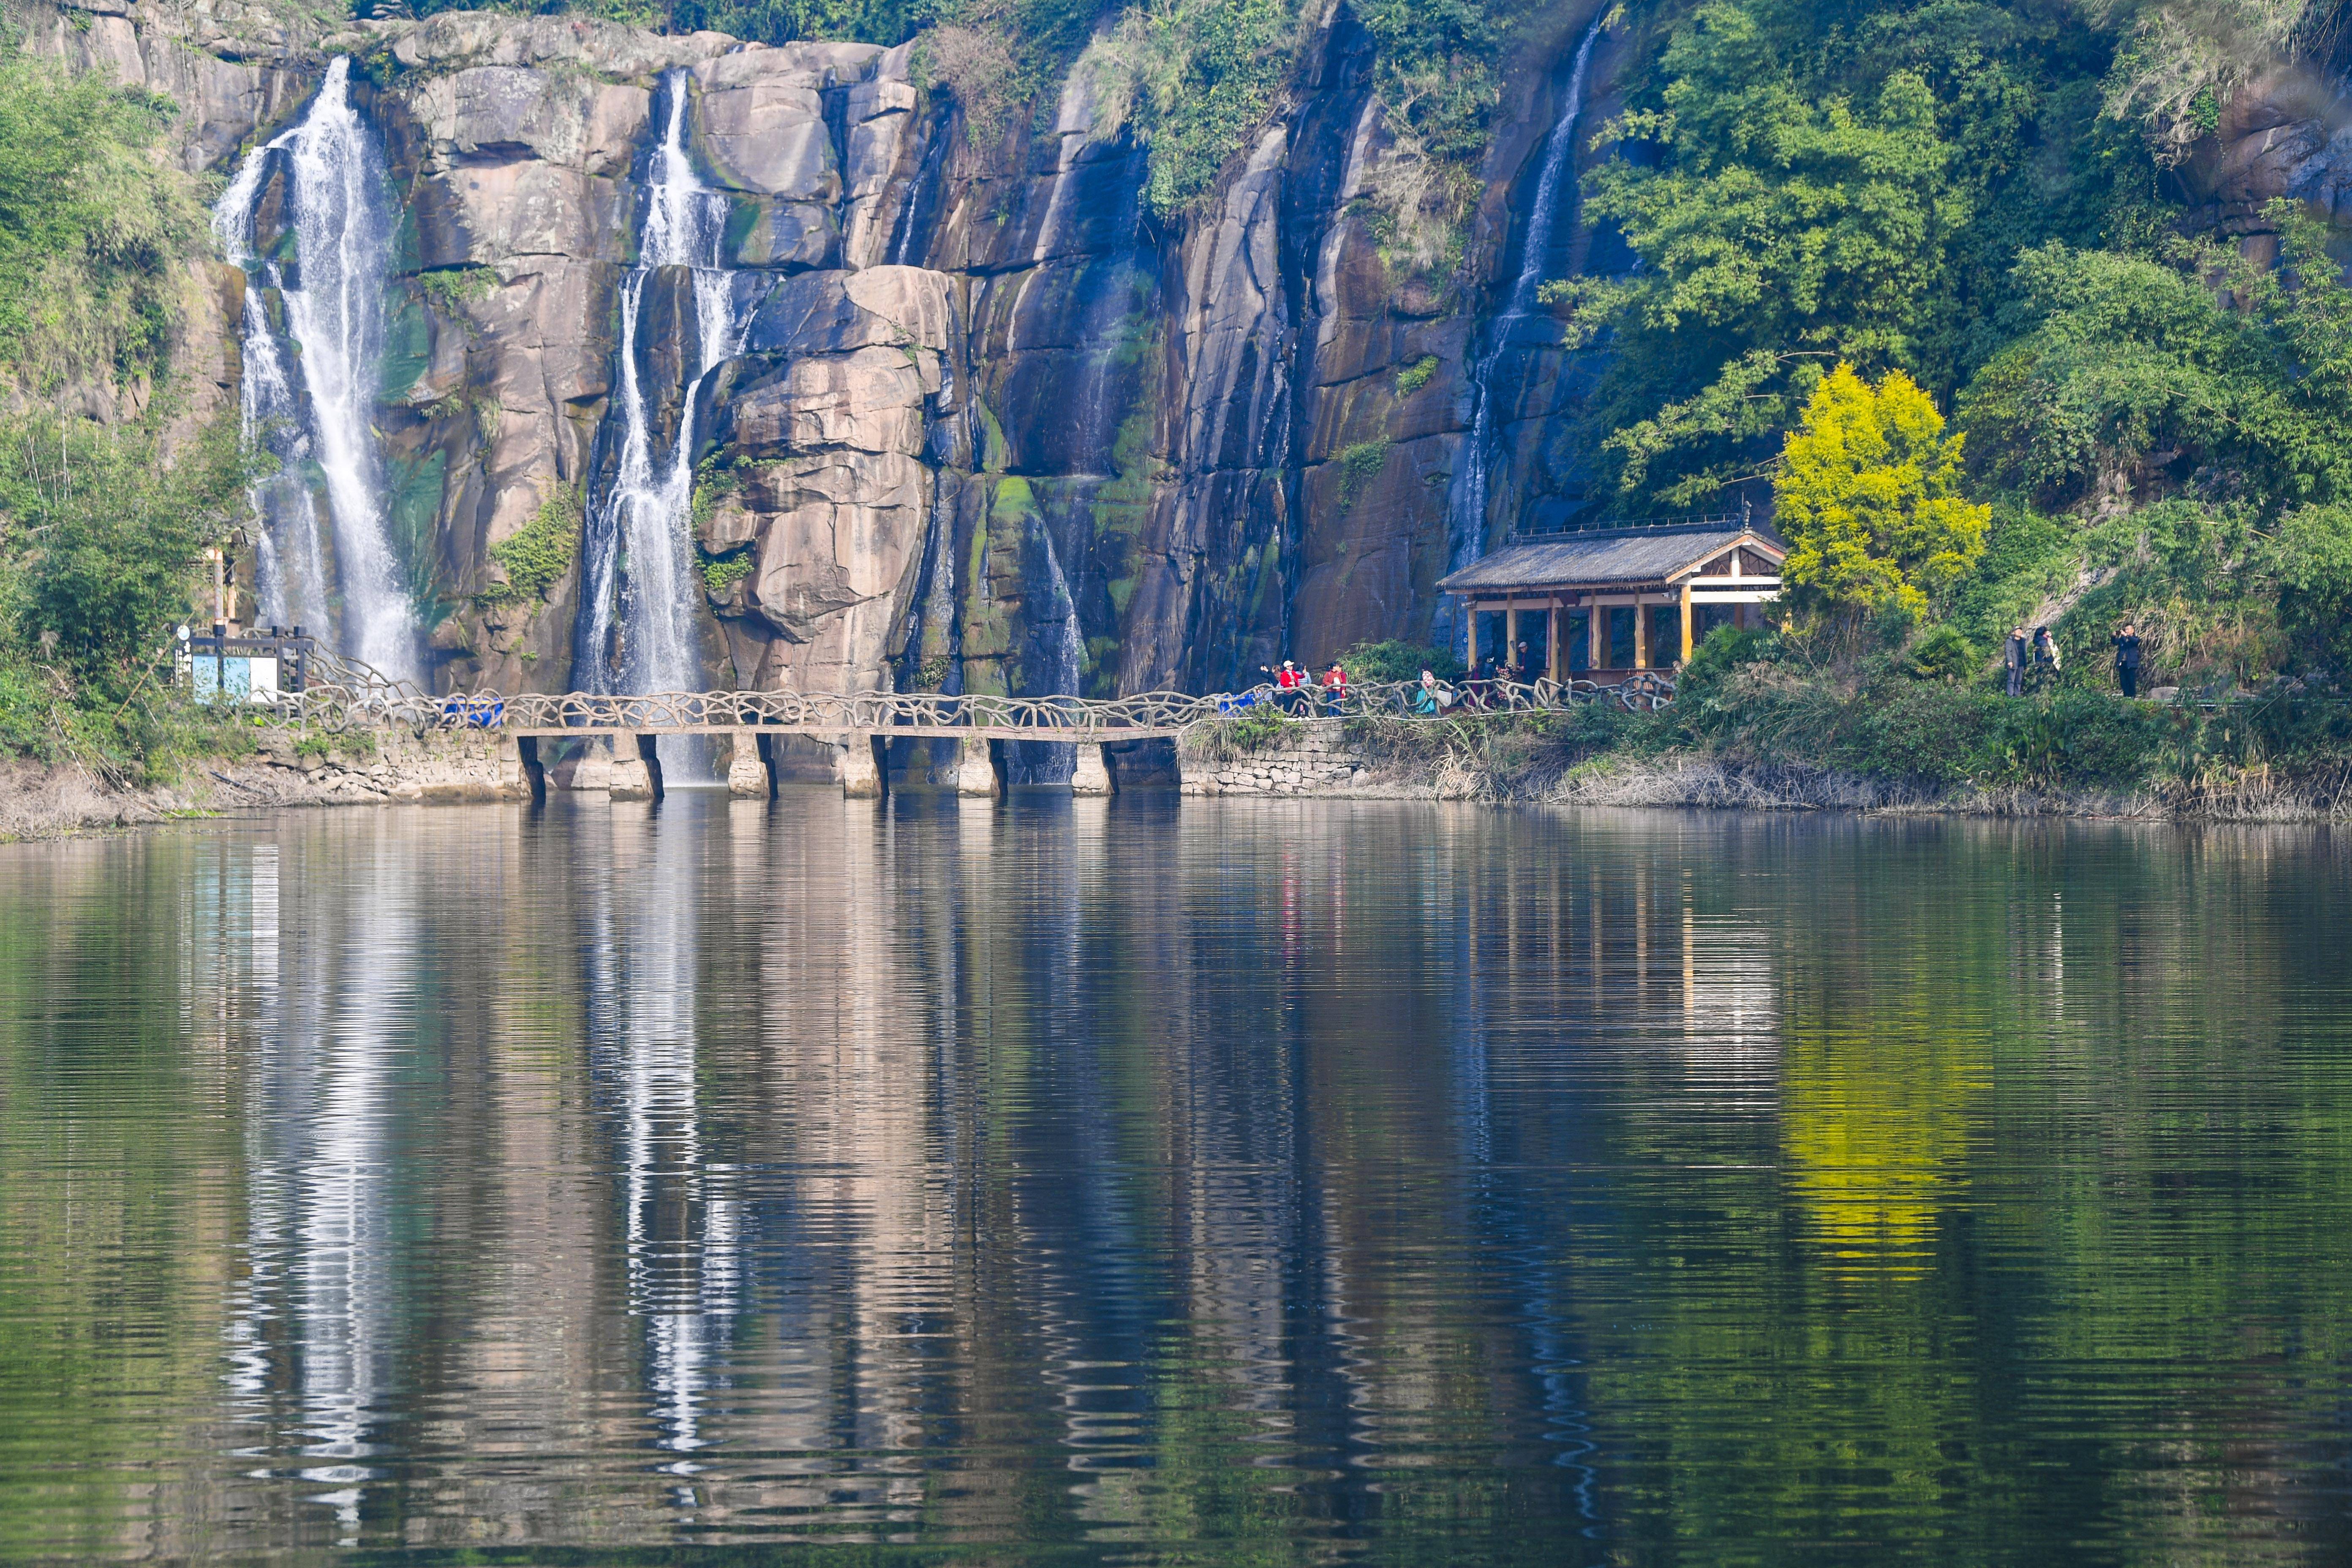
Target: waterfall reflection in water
1108,1181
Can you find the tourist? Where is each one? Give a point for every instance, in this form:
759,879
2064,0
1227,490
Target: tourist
2046,656
1424,696
1334,686
2126,643
1287,685
2019,654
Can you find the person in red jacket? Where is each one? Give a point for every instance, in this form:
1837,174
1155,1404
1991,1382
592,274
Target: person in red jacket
1287,686
1335,688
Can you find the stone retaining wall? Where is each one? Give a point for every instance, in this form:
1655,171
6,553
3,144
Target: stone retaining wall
1309,756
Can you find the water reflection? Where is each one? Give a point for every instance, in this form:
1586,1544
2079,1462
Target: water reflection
1134,1182
679,1219
312,1331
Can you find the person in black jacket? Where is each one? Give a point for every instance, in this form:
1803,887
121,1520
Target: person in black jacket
2045,660
2126,643
2021,654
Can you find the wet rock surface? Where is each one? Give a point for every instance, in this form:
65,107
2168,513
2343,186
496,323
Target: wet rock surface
994,424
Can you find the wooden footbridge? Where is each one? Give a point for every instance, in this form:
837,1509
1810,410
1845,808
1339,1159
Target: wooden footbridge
338,695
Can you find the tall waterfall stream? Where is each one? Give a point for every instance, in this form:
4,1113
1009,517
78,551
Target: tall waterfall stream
311,409
637,619
1556,191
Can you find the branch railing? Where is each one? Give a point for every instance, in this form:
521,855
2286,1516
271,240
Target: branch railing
342,694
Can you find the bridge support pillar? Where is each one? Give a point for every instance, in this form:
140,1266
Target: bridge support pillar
593,771
1093,774
529,769
976,770
747,770
861,771
637,769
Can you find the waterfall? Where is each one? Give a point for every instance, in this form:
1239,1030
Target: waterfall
1055,634
1556,186
641,582
317,417
289,555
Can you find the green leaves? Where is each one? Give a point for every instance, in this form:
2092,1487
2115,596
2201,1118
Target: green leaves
536,556
1195,78
1869,500
109,541
1802,189
90,224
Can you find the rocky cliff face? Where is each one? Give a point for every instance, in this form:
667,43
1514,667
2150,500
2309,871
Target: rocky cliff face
990,426
981,421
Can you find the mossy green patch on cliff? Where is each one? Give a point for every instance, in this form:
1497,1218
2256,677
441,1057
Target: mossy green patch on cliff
1267,581
1359,465
722,571
1122,506
407,345
536,556
412,511
451,288
989,614
408,248
995,452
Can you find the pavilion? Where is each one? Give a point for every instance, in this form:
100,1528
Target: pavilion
1614,601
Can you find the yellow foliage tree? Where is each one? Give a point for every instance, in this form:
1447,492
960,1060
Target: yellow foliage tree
1869,500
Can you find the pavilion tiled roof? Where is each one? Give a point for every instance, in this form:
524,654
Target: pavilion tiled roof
1603,556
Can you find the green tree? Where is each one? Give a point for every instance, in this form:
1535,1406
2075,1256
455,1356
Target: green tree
2310,561
91,224
1868,494
109,540
1803,188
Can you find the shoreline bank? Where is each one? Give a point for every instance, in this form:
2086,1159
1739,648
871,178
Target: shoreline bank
1328,759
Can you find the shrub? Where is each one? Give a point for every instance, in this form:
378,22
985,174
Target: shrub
722,572
450,288
1940,653
1416,375
91,224
1359,465
114,540
1395,660
536,556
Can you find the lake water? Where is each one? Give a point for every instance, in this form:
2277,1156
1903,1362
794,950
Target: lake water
1134,1182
